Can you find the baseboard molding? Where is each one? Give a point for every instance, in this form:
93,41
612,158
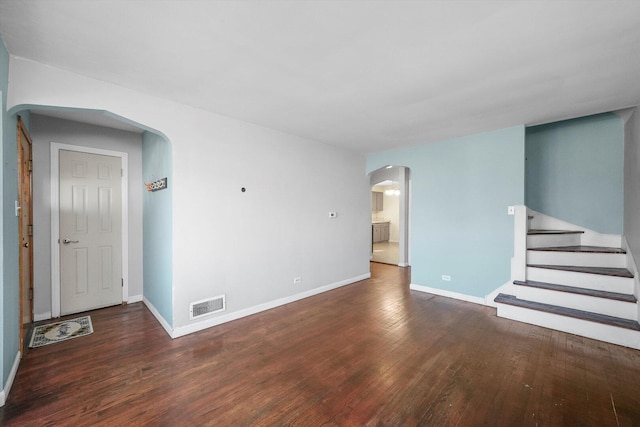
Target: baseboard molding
507,288
189,329
163,322
4,394
448,294
41,316
134,298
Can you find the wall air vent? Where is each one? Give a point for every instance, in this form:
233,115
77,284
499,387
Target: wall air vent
208,306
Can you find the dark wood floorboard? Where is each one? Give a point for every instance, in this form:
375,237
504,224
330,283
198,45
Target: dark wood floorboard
371,353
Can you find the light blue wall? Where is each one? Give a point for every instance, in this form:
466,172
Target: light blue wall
157,225
575,171
460,190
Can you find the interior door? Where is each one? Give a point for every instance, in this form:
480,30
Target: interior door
25,233
90,231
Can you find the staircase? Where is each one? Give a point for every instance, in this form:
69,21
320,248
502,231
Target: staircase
575,286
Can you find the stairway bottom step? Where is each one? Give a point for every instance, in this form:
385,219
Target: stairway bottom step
569,312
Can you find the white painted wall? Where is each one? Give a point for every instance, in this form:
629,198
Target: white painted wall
632,193
632,181
249,245
45,130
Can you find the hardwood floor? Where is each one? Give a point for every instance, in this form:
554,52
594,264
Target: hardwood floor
371,353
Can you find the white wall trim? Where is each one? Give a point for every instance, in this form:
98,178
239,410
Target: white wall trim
633,267
163,322
55,218
195,327
448,294
135,298
507,288
4,394
41,316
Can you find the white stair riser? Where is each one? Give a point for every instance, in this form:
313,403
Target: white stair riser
600,282
608,240
545,240
577,258
589,237
625,310
606,333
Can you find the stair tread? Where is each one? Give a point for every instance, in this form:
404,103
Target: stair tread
605,271
569,312
580,291
581,248
539,231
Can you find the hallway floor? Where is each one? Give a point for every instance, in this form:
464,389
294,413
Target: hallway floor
385,252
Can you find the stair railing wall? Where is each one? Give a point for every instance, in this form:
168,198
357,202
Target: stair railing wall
520,228
633,267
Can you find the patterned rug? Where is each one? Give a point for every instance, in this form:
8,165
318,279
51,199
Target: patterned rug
60,331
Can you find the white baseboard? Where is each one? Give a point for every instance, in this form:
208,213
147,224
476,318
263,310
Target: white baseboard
507,288
448,294
4,394
163,322
195,327
134,298
41,316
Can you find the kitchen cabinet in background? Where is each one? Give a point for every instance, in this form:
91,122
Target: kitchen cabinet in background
376,201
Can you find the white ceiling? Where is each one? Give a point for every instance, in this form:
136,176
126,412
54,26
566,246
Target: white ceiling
365,75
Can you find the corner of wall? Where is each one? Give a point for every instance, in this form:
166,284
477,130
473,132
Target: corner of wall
4,393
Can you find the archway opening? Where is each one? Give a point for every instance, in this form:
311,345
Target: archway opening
390,216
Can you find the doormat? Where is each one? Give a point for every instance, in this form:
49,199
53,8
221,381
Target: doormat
60,331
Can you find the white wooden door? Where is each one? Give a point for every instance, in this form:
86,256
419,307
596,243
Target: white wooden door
90,231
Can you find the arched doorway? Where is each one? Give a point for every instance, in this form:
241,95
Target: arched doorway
149,156
390,196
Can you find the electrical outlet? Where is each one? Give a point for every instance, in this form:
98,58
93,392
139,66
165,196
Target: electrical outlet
297,280
446,277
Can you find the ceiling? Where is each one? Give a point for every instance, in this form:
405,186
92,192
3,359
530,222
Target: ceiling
364,75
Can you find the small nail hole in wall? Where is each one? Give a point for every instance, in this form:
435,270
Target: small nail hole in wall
243,189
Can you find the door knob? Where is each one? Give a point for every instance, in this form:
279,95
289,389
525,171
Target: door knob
67,241
26,244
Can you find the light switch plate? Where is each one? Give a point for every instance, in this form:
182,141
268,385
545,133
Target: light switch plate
511,210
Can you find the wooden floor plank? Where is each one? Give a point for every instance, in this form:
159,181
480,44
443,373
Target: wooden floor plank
371,353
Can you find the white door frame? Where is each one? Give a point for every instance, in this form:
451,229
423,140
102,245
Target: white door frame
403,178
55,218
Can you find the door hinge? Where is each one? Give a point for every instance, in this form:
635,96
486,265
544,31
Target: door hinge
30,229
121,173
122,282
30,294
30,165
